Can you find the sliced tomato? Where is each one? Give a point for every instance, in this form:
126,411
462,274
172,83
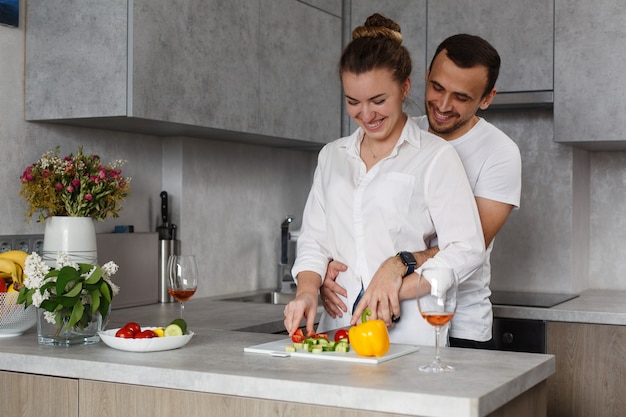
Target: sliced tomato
342,334
298,336
321,336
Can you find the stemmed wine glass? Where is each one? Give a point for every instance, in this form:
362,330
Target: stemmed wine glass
436,300
183,278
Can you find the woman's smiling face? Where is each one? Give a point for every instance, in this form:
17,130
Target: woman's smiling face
374,100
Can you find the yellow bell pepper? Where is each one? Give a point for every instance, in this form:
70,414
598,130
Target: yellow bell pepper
370,338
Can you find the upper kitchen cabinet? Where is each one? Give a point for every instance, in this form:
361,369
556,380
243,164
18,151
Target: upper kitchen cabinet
251,71
589,100
411,16
300,92
521,31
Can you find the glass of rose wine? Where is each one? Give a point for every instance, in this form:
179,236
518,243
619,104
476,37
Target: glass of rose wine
183,278
436,300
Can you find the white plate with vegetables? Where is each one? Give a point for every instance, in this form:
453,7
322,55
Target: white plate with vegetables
141,343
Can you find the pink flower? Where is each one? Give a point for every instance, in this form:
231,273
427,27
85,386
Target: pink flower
58,186
88,197
76,182
69,189
45,173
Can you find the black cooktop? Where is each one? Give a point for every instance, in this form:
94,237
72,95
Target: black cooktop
529,299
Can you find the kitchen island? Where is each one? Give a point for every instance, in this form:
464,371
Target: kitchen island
213,372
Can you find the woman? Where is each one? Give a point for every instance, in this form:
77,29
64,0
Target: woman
386,188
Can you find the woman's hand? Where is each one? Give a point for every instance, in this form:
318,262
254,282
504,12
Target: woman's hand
382,294
332,303
305,303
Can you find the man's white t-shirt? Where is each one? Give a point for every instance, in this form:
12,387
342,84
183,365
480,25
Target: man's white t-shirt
493,166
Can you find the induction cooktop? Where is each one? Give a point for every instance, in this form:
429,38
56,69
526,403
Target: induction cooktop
529,299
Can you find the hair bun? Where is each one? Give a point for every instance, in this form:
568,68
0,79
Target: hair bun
378,26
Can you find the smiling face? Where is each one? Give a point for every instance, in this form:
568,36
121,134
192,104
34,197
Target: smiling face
374,100
453,96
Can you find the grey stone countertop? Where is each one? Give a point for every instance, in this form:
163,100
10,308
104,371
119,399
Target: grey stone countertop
592,307
214,361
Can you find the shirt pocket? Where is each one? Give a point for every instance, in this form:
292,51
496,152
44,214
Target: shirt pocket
394,191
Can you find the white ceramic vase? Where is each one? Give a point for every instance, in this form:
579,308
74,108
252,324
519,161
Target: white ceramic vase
76,236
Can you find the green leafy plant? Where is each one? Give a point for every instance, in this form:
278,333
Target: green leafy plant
71,293
75,185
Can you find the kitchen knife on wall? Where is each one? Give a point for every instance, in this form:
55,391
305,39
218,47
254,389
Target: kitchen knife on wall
164,229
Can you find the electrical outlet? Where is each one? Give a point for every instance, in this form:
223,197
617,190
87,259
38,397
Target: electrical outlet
38,246
5,246
21,244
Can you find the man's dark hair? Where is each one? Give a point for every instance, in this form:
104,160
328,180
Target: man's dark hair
468,51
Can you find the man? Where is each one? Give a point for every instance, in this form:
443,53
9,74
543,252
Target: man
459,81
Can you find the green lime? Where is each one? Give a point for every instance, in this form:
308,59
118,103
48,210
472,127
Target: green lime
180,323
173,330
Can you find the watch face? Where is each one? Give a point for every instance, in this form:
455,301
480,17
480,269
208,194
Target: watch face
408,259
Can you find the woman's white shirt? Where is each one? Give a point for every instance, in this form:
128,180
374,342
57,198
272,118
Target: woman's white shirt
361,218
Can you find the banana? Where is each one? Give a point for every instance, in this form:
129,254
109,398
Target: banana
17,256
11,268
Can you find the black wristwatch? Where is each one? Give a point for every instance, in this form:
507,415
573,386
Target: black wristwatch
408,260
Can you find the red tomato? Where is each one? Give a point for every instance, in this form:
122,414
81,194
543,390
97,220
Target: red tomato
133,327
124,333
146,334
298,336
321,336
342,334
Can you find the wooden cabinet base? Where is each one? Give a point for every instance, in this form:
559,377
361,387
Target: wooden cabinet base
38,396
590,370
99,399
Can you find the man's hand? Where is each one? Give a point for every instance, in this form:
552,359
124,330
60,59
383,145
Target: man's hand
382,294
332,303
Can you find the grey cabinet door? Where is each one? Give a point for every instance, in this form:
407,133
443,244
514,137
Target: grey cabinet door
521,31
589,100
195,64
411,16
299,88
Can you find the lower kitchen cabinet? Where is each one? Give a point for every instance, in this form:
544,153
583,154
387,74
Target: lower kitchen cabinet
590,370
29,395
38,396
121,400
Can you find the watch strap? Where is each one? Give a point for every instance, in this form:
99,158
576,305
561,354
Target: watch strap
409,261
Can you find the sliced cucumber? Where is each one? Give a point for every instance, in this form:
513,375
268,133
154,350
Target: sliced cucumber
173,330
342,347
290,348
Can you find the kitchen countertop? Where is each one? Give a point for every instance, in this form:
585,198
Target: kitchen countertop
592,307
214,362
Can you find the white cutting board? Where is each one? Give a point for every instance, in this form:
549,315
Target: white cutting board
277,348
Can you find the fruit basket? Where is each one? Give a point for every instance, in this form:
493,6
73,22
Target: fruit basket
14,319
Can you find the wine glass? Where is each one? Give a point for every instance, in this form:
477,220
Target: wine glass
183,278
436,300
